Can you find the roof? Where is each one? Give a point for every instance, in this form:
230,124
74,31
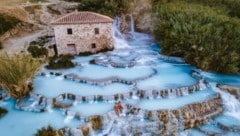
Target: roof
82,17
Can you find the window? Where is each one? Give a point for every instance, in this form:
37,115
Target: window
93,45
96,30
69,31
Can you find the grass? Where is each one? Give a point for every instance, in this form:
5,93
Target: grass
16,73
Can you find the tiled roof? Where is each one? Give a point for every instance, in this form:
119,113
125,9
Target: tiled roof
81,18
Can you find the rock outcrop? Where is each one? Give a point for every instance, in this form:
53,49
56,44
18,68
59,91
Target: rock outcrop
140,10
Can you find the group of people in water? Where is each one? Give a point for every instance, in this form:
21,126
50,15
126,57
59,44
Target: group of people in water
118,108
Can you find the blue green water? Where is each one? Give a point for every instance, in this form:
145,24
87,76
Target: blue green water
150,71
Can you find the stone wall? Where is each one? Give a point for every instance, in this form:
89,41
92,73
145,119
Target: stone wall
83,36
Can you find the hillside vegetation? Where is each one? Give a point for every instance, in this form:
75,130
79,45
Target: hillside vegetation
7,23
106,7
205,33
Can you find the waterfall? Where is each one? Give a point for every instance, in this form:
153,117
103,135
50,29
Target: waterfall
181,121
91,131
132,29
49,105
118,39
231,104
70,116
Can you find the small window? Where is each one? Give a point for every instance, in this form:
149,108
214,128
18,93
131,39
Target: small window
69,30
93,45
96,30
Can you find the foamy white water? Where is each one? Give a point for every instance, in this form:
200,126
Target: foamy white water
231,104
118,39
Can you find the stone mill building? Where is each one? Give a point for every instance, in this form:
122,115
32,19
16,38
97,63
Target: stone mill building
82,32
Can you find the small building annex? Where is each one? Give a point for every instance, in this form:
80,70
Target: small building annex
81,32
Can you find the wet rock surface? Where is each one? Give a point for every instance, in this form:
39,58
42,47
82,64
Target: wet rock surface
230,89
2,112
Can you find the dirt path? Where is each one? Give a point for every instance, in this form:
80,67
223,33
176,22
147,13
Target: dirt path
17,44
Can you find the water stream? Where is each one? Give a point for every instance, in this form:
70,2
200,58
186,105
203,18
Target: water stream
135,73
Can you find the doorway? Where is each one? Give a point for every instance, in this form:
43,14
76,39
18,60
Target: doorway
72,48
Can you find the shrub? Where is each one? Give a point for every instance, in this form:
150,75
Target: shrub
48,131
63,61
230,7
107,7
205,37
41,41
37,52
7,23
16,73
1,47
2,112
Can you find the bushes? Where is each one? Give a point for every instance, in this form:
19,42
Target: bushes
63,61
7,23
48,131
205,37
2,112
230,7
41,41
37,52
107,7
37,48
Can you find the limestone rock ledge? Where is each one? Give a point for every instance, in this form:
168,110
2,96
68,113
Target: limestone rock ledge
230,89
159,122
189,116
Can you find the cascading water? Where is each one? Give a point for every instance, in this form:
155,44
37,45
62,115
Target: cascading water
69,117
231,104
151,85
132,29
118,38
